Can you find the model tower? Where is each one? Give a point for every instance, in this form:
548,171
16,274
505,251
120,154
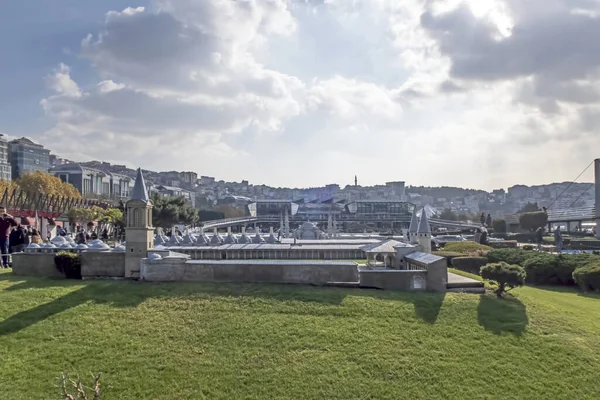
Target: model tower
139,232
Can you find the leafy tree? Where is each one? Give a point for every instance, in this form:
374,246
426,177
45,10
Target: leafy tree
532,220
530,207
169,211
499,225
84,216
505,275
44,183
10,185
448,215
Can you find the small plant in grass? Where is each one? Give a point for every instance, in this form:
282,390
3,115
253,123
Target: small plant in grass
506,275
75,389
69,264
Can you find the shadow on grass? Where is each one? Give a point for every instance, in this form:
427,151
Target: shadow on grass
428,306
98,293
502,315
569,289
126,293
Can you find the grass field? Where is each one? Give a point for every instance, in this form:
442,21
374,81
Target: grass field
194,341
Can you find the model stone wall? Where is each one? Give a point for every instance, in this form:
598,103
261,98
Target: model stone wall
102,264
301,272
35,264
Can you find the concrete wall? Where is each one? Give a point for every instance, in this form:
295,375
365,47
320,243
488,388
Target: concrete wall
250,271
35,264
437,275
102,264
393,279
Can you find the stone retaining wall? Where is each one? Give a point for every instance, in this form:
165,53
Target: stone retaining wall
393,279
249,271
35,264
102,264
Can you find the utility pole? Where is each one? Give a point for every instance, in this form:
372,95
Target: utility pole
597,195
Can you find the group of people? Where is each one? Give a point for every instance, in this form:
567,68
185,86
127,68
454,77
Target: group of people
558,238
14,237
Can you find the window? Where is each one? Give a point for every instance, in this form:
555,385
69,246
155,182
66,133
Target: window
137,217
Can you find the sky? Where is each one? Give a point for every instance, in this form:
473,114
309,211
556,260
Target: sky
476,93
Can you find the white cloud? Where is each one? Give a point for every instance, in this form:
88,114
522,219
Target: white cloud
301,93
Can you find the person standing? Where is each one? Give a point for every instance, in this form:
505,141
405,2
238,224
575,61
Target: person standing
539,236
482,219
488,221
7,223
18,239
558,239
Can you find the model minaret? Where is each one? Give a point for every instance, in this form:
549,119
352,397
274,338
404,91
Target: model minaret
424,233
139,232
412,229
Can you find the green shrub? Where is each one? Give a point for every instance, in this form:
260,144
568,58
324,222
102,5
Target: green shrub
527,247
499,225
68,264
507,244
500,235
542,269
588,278
448,254
469,264
509,256
505,275
466,247
532,220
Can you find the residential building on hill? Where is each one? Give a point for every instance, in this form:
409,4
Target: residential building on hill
94,182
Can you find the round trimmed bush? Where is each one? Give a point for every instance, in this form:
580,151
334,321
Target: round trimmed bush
588,278
505,275
466,247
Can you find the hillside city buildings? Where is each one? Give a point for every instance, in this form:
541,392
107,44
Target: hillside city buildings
98,179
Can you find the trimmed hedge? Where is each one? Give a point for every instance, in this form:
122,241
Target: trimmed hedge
507,244
448,254
466,247
469,264
509,256
588,278
544,268
68,264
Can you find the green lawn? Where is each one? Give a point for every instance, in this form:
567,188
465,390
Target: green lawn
194,341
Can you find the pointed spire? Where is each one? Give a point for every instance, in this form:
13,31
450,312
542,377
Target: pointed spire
424,223
414,222
139,188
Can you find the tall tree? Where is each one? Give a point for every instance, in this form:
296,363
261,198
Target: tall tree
529,207
169,211
44,183
533,220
